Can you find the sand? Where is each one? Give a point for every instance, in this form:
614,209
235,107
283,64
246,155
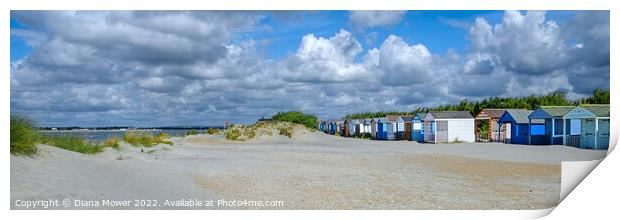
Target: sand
312,170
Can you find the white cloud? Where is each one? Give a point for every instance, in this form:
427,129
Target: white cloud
363,19
403,64
129,68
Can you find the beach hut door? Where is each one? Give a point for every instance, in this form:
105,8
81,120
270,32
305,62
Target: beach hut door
508,132
442,131
587,133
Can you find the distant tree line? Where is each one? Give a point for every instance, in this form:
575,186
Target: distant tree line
310,121
532,102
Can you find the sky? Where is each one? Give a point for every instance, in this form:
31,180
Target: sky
172,68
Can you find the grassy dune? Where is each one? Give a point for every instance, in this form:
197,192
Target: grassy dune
24,139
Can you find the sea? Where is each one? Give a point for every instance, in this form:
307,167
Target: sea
102,135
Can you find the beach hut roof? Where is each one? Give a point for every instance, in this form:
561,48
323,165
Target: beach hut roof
598,110
407,118
490,113
450,114
367,121
420,115
393,118
551,111
519,115
352,121
382,120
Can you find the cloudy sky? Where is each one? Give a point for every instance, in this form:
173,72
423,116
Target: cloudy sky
159,68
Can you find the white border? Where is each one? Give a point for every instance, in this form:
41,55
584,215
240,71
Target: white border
590,198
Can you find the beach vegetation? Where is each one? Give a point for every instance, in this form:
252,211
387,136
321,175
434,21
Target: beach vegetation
113,142
310,121
456,141
286,131
23,136
193,132
71,143
213,131
146,139
364,136
232,133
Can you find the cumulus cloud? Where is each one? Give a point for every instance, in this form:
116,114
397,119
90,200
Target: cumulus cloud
404,64
525,44
331,60
199,68
370,19
532,51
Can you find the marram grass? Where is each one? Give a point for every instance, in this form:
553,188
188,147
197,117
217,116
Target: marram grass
23,136
145,139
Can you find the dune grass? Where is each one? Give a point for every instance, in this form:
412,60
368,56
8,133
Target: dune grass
233,133
72,143
23,136
112,142
146,139
213,131
193,132
286,131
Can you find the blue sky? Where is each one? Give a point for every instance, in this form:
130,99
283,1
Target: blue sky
161,68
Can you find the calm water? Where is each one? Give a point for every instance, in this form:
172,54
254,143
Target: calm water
99,136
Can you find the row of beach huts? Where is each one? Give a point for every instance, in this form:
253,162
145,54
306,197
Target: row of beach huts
584,126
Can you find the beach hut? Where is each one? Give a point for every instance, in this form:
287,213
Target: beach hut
449,126
322,125
398,127
373,128
515,126
340,127
408,127
587,127
366,125
351,127
385,129
547,125
417,127
331,127
490,116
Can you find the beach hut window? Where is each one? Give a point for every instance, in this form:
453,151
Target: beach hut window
417,126
538,129
575,126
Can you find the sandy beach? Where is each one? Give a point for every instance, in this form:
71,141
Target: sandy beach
312,170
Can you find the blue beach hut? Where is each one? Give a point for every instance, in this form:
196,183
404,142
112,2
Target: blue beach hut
516,126
587,127
385,129
417,127
547,125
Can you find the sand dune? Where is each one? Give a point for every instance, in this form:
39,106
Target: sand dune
311,170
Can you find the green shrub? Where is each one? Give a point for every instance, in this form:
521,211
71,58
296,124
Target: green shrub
23,136
213,131
310,121
71,143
